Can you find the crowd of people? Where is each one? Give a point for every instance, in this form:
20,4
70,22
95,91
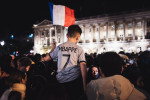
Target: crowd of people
106,76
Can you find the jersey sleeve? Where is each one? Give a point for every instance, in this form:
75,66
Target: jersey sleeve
54,53
82,56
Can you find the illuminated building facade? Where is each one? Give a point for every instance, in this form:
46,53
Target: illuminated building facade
129,32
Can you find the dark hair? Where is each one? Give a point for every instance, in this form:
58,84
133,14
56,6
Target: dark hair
73,30
144,60
37,58
37,69
132,73
25,61
144,65
111,64
16,76
14,95
43,55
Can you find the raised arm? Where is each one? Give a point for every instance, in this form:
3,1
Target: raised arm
48,54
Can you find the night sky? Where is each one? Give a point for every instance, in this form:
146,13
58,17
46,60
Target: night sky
18,17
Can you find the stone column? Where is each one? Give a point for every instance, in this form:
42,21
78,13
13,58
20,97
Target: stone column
133,29
91,33
115,24
55,34
99,32
93,26
107,31
84,34
50,35
64,34
124,30
143,26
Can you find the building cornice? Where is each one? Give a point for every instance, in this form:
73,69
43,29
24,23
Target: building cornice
106,18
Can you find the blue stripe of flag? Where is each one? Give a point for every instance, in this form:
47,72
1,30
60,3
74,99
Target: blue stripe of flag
51,9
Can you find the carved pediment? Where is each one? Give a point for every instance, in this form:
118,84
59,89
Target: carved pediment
45,22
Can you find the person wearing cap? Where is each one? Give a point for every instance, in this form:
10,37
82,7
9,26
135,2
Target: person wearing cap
112,85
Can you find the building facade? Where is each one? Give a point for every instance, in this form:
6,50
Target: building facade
129,32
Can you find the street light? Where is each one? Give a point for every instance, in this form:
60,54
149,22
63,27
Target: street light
12,37
2,43
30,35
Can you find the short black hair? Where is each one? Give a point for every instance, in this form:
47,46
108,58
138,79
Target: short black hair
25,61
14,95
43,55
144,60
144,65
73,30
111,64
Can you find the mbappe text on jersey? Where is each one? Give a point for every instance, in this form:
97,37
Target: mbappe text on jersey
72,49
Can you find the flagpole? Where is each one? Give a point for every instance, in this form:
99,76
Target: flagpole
55,34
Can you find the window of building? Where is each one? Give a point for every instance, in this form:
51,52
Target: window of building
90,30
113,27
42,42
47,33
48,42
130,35
58,30
139,24
53,40
148,23
42,33
53,33
130,25
121,26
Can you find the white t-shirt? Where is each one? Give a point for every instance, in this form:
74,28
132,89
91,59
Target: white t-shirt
69,57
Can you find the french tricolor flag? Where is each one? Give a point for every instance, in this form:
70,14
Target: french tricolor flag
61,15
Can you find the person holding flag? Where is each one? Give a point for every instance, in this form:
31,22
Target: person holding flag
71,65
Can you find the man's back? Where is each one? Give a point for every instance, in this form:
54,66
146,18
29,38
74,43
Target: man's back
69,55
115,87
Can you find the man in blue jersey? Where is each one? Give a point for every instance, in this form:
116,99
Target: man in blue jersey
71,63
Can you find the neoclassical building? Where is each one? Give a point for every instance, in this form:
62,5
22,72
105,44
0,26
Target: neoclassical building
129,32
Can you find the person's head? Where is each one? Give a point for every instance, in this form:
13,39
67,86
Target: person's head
24,64
14,95
111,64
43,57
74,32
144,60
37,58
144,65
16,76
95,72
133,74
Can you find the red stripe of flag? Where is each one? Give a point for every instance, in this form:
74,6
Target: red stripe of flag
69,17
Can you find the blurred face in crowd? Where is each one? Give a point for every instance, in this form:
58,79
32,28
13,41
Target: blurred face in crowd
95,72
